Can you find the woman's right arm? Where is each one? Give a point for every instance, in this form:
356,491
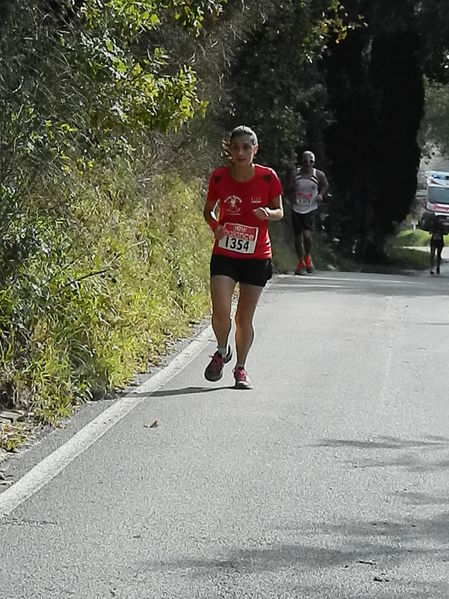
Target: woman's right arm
211,218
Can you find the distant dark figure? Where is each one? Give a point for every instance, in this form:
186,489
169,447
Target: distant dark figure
436,244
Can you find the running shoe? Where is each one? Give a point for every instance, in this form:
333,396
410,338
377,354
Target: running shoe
301,268
214,370
309,264
242,380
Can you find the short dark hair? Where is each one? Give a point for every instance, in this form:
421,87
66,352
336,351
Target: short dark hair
242,130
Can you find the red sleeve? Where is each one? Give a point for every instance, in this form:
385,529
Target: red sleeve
276,186
212,191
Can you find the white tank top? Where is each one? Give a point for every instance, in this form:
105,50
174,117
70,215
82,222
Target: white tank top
306,191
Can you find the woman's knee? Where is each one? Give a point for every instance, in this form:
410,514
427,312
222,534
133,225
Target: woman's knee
221,312
243,319
221,289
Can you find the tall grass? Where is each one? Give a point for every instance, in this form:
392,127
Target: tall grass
113,283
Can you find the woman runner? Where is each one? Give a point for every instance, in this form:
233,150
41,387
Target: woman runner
247,195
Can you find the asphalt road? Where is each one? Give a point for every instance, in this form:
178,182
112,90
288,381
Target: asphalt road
328,480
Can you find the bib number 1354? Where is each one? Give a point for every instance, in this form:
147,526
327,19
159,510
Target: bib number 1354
239,238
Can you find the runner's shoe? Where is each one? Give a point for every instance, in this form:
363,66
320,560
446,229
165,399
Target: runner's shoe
214,370
309,264
301,268
242,380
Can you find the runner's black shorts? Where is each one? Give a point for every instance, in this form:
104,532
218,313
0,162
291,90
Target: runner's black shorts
252,271
438,244
302,222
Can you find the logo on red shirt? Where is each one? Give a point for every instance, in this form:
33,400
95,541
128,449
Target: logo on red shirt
233,204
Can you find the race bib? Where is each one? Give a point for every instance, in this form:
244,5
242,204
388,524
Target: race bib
305,199
239,238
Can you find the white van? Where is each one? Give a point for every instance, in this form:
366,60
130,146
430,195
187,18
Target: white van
436,200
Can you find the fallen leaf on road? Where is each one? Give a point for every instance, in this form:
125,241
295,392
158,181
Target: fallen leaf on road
154,424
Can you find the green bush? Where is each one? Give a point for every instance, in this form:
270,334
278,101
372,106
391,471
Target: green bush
408,258
410,237
107,294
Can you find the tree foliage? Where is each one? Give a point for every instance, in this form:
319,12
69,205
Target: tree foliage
375,82
274,84
433,23
435,125
81,82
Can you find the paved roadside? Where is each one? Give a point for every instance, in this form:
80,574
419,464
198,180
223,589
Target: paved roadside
328,480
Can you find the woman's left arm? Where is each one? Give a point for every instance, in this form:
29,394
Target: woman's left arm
275,209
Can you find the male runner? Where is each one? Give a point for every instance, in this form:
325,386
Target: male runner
308,186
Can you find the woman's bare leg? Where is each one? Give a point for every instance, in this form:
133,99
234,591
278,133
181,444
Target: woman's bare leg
221,290
244,331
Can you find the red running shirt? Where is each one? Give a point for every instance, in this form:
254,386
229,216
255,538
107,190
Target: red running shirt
247,236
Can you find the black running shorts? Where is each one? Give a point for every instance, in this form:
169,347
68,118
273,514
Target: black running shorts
303,221
252,271
438,244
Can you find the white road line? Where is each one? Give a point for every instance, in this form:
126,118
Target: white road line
53,464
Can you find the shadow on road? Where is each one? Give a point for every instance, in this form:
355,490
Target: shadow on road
182,391
433,442
369,553
411,455
385,556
